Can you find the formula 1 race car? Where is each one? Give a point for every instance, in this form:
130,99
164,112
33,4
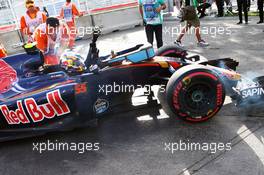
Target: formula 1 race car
33,102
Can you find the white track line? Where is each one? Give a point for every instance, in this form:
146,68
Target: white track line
253,142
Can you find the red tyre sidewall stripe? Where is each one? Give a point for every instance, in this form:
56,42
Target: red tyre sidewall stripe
203,118
205,74
176,93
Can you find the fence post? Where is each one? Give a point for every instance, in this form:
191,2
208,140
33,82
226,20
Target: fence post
170,7
13,13
79,4
15,18
54,8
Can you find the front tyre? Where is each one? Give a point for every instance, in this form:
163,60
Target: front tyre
195,93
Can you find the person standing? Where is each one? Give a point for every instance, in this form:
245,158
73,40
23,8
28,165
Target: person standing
150,11
50,38
242,5
31,20
191,18
68,13
260,8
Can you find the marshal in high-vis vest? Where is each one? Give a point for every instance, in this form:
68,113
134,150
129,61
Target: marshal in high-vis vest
31,20
68,12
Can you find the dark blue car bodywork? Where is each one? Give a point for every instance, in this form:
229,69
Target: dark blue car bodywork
37,103
33,102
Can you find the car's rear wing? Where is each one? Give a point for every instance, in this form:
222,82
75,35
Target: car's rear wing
226,63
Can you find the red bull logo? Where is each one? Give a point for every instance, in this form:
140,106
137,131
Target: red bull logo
55,106
8,76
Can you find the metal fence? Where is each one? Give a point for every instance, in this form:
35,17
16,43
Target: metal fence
12,10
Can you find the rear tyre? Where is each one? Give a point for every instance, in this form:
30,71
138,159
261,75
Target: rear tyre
195,93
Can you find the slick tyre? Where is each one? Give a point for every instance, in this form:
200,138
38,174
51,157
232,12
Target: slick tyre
195,93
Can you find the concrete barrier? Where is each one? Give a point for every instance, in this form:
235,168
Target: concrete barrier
118,19
109,19
9,39
83,24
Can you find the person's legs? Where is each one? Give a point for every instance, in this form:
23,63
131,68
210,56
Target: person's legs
187,2
184,30
239,5
261,11
245,10
196,24
158,35
200,42
248,4
205,6
199,8
220,7
149,33
198,33
260,8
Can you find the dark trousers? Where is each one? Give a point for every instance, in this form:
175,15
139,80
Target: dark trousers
220,7
242,5
201,9
248,4
187,2
157,29
260,8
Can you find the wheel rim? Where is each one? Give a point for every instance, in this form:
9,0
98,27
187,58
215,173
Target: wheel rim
198,98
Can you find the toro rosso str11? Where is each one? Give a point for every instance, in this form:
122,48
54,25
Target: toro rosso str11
33,102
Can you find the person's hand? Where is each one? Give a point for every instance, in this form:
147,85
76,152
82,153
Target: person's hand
81,14
144,22
30,38
158,10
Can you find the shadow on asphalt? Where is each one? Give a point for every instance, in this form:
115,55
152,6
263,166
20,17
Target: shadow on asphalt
138,144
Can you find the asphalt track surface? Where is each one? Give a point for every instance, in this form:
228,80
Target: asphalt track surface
134,141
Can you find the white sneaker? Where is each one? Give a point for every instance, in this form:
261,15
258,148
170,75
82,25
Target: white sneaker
178,43
202,43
